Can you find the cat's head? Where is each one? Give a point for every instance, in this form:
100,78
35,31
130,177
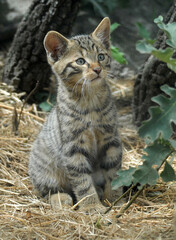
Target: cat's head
81,60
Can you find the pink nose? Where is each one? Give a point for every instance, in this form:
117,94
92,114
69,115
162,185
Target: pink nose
97,70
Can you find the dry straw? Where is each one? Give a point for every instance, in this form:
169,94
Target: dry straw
24,216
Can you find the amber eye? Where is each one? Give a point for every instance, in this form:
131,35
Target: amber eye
101,57
80,61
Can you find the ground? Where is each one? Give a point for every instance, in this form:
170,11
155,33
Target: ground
25,216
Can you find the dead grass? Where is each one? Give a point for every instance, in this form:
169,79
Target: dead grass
24,216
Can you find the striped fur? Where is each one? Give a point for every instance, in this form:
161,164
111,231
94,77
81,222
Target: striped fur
78,150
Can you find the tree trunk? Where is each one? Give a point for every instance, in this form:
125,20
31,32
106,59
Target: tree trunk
26,61
152,76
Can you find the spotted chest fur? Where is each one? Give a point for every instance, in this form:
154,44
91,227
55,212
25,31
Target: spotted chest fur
78,150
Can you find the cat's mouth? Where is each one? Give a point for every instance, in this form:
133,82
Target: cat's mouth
95,78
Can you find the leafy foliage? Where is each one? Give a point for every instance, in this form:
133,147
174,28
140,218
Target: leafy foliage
46,101
146,173
124,179
161,116
113,27
168,174
165,55
116,54
142,31
157,130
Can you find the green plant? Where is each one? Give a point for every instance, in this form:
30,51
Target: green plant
142,31
165,55
157,130
116,54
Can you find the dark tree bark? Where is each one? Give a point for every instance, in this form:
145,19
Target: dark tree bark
26,60
152,76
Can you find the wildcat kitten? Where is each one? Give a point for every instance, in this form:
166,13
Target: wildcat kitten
78,150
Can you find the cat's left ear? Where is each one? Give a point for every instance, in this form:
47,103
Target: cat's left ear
102,32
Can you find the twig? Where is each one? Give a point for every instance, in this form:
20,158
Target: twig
117,200
27,98
13,138
129,203
135,196
74,206
24,112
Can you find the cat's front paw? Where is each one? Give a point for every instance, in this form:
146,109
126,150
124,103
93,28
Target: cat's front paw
59,199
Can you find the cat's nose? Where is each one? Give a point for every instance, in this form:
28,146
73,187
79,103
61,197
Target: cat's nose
97,70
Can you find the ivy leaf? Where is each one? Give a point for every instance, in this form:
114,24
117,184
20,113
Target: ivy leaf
124,178
168,174
145,175
159,123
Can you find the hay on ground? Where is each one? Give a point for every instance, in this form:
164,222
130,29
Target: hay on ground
25,216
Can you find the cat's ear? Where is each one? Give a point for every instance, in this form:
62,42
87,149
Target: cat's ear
55,45
102,32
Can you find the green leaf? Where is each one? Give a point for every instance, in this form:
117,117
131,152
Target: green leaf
117,55
158,20
113,27
124,178
157,152
145,175
159,123
169,29
172,143
168,174
142,31
165,55
45,106
144,46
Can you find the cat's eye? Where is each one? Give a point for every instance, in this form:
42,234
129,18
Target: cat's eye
80,61
101,57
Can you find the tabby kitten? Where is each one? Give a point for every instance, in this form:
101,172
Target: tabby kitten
78,151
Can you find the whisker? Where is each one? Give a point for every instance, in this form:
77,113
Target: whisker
76,84
83,88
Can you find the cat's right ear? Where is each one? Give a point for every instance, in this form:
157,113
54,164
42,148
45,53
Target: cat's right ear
55,45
